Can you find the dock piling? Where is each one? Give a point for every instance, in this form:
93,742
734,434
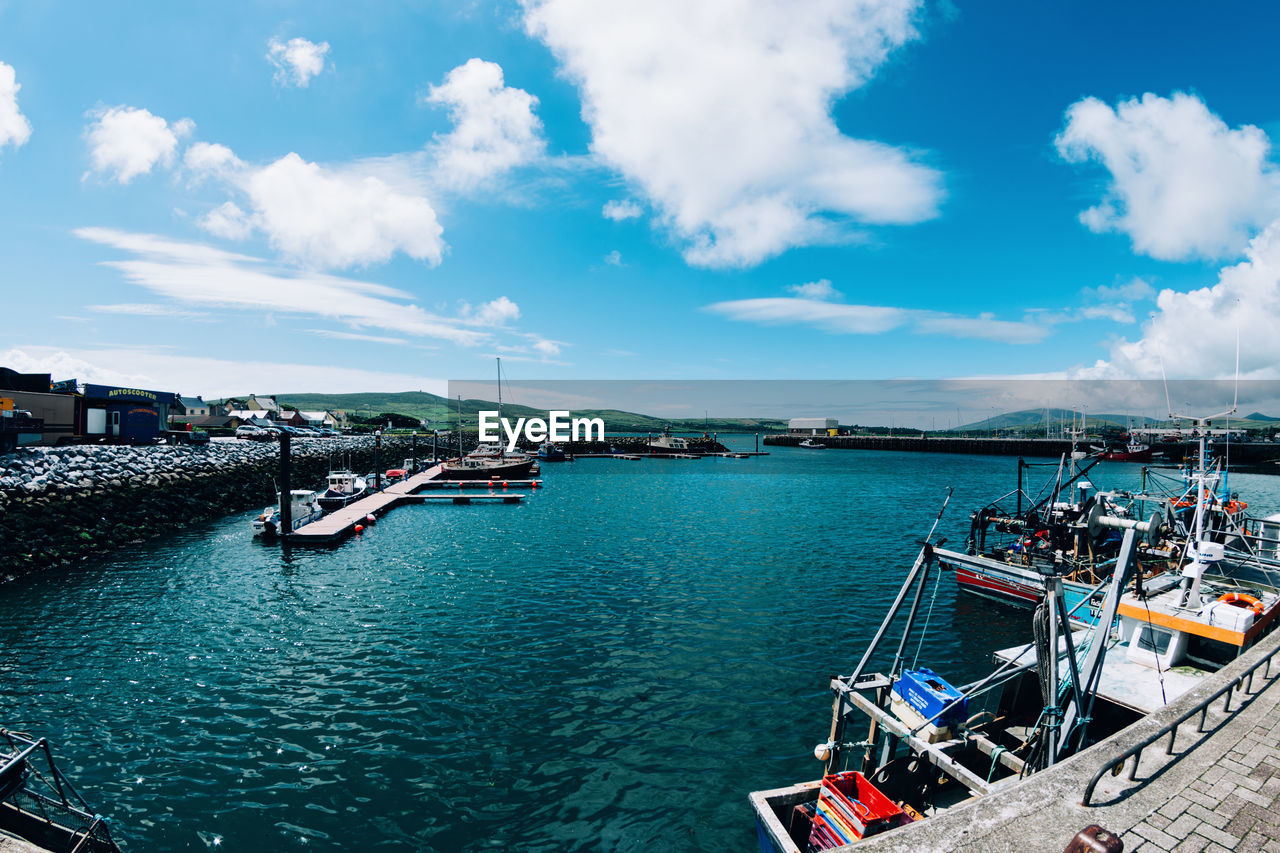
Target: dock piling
285,496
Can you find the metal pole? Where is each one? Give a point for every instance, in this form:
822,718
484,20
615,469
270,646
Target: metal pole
377,459
286,505
1021,462
413,453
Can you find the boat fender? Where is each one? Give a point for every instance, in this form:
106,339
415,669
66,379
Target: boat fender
359,528
1242,599
370,519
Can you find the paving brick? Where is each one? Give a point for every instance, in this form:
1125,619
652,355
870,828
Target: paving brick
1177,805
1218,836
1203,813
1241,824
1253,797
1183,826
1159,821
1250,784
1252,842
1194,844
1161,839
1229,806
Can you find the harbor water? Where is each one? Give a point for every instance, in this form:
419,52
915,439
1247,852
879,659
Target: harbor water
611,665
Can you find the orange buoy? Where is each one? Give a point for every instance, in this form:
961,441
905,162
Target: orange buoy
359,528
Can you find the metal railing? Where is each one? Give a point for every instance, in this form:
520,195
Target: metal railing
1171,728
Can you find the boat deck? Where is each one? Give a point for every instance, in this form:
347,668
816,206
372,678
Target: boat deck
342,523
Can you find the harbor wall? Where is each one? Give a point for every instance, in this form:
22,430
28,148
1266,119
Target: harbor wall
61,505
1263,455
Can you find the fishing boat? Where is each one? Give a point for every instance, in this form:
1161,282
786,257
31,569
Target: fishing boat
1131,449
930,746
668,443
343,487
39,805
487,461
1009,549
551,452
812,445
304,508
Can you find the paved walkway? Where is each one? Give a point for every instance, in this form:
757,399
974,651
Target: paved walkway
1220,791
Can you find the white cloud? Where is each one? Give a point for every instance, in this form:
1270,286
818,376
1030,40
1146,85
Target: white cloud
719,112
129,141
296,60
15,130
1118,313
227,220
620,210
820,290
205,277
614,259
148,310
1134,290
844,319
1194,333
208,158
497,312
494,131
209,377
1182,183
355,336
324,218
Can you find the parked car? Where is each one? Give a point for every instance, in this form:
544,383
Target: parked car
252,432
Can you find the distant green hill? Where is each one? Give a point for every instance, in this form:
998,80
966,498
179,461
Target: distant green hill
441,413
1031,420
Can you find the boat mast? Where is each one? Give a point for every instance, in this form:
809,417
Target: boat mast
501,445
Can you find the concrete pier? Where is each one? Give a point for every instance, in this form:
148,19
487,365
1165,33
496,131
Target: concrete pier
1218,791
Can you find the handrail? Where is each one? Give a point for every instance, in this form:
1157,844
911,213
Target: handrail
1171,728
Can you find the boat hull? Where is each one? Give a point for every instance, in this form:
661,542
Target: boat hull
1021,586
508,471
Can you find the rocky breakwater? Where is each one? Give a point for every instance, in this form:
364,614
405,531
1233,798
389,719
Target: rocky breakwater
60,505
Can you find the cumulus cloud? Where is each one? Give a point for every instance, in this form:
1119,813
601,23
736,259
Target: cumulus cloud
128,141
498,312
1194,333
813,308
296,60
821,290
495,128
204,159
621,210
227,220
1182,183
15,130
614,259
720,114
330,219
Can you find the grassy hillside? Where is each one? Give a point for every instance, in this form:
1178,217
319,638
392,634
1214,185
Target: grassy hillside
441,413
1033,420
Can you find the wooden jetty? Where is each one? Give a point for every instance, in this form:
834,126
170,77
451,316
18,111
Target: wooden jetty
340,524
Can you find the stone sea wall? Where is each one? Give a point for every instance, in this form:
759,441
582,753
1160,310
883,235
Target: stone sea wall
60,505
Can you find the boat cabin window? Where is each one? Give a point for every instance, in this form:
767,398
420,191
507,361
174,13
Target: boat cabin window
1154,640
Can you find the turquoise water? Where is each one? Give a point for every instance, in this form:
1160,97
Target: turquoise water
613,664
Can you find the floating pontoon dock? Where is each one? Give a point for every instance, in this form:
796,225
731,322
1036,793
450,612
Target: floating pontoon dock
340,524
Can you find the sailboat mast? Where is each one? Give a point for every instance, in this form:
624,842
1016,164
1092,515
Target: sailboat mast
502,453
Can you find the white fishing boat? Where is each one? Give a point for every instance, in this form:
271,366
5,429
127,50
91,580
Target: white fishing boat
342,488
304,508
668,443
812,445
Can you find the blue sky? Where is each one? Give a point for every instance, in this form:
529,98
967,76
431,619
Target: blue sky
282,196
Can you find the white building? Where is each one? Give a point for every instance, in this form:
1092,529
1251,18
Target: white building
812,426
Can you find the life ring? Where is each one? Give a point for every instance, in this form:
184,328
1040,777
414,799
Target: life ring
1242,599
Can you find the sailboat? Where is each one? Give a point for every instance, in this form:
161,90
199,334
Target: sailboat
502,466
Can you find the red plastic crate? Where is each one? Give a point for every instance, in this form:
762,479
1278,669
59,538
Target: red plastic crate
850,808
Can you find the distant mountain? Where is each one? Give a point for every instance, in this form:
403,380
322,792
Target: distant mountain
1054,419
441,413
1256,416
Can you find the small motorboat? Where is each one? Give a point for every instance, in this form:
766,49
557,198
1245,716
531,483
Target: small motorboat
550,452
810,444
304,508
343,488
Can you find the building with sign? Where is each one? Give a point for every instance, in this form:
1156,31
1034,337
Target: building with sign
131,415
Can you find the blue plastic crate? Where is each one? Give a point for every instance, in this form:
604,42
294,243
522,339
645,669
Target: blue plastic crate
928,693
